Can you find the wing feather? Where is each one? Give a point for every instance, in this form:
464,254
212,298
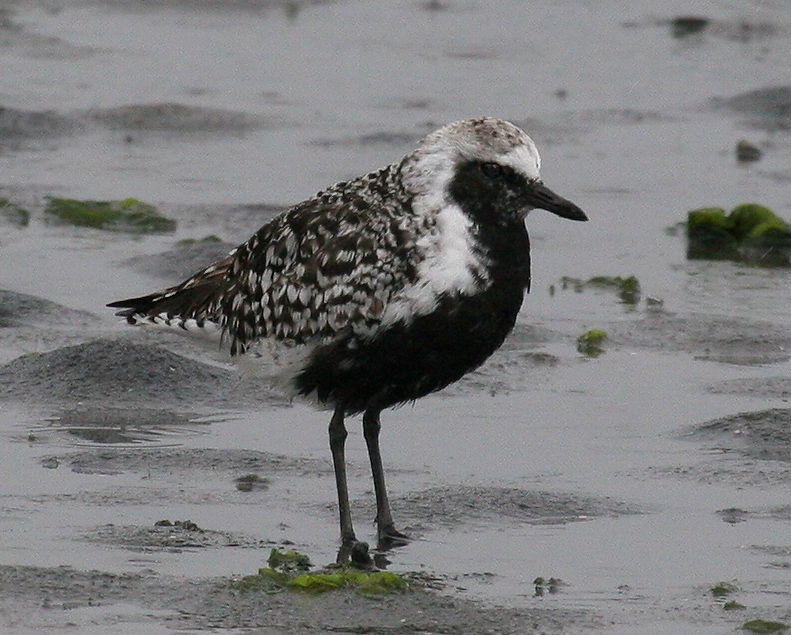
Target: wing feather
327,266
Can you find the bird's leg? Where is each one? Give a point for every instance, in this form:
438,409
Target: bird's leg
338,436
387,533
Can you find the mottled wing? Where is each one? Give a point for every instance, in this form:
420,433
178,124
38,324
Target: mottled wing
328,266
315,273
191,303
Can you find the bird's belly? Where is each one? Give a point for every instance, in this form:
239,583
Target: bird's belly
409,359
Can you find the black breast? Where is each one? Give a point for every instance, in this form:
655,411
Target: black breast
414,358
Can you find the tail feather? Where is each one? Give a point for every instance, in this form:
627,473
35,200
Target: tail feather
197,298
195,303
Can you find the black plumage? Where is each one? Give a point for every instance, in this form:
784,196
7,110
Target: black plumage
384,288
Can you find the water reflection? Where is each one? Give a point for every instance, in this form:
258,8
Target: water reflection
122,426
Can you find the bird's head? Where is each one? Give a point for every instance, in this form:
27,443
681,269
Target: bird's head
488,167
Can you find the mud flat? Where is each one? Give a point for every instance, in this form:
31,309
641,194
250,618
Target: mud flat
642,487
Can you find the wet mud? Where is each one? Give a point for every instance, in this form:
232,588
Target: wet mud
183,260
39,597
766,108
546,492
727,340
158,396
122,371
170,536
18,310
763,434
465,505
232,462
17,126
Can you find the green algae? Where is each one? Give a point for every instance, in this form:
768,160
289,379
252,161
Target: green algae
290,571
749,233
733,605
128,215
764,626
590,343
748,216
13,213
288,561
709,217
628,288
710,235
265,581
721,589
367,584
188,242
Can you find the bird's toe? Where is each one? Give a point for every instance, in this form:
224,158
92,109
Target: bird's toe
390,537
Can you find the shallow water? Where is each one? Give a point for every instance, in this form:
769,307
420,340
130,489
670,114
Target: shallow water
621,503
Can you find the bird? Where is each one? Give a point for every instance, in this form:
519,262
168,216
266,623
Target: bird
380,289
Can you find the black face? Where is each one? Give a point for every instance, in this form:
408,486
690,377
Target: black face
494,193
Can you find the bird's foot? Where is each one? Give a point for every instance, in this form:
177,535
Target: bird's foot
355,552
390,537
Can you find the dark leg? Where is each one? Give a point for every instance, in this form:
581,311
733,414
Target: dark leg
338,436
388,535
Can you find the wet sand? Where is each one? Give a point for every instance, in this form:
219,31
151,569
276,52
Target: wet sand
636,481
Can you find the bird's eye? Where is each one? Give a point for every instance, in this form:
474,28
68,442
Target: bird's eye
492,170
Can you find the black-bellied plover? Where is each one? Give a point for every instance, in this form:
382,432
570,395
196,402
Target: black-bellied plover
381,289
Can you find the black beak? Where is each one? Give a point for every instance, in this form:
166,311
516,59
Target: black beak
542,197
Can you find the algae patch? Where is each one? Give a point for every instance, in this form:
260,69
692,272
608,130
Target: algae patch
590,343
749,233
290,571
721,592
128,215
747,152
722,589
13,213
188,242
367,584
628,288
733,605
288,561
764,626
